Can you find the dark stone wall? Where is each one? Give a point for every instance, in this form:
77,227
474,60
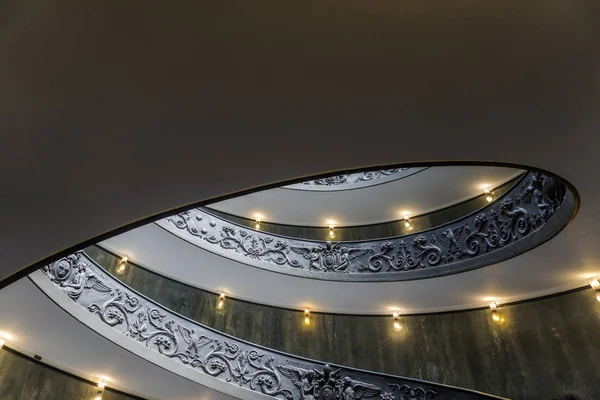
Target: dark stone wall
23,379
539,350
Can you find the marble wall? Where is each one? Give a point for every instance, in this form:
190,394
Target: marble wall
539,350
23,379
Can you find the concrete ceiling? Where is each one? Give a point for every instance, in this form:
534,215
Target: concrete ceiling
423,192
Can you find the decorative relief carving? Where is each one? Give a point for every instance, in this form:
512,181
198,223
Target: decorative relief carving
522,210
409,393
220,356
356,180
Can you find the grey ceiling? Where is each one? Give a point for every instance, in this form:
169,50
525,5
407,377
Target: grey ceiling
113,111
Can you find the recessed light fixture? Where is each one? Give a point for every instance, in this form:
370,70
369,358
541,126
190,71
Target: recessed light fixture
396,318
489,196
306,317
407,223
122,265
221,302
257,220
101,386
595,284
495,314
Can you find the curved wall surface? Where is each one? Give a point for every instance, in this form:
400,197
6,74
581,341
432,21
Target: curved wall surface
539,350
25,379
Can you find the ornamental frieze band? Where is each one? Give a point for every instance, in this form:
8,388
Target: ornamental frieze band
528,214
356,180
220,356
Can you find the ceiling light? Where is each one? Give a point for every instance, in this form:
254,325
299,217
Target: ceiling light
495,314
331,233
221,302
306,317
1,343
489,196
101,384
407,223
595,284
396,317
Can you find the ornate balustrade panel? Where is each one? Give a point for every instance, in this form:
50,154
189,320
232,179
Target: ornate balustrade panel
356,180
212,354
527,215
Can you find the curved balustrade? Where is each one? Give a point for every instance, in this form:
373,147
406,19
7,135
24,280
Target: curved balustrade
164,337
527,215
356,180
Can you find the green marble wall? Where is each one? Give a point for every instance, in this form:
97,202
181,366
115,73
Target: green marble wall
540,349
22,379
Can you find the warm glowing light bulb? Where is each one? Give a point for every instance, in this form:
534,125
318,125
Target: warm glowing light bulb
1,343
257,221
331,233
396,317
595,284
221,302
407,223
98,397
495,314
306,317
101,384
122,264
488,195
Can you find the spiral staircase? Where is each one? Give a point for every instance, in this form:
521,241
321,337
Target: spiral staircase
318,201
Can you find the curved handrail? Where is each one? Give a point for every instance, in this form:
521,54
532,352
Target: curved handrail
527,215
214,354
